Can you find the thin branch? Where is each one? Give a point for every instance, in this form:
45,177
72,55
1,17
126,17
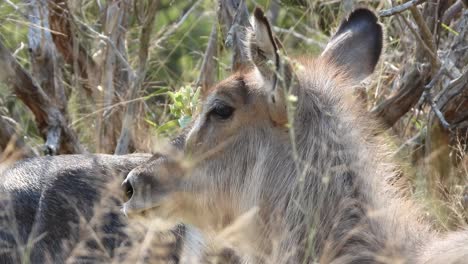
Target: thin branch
17,9
207,73
120,56
400,8
427,95
427,37
129,116
452,11
452,102
407,95
12,4
236,23
63,25
434,59
108,108
306,40
163,36
45,67
233,16
49,119
456,89
117,74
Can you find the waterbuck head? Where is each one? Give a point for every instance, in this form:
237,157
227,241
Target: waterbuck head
282,134
263,126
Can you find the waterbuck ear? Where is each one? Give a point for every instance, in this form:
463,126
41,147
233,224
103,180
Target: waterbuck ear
357,44
262,45
265,54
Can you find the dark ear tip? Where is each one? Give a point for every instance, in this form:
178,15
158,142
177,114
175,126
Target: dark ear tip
363,13
258,13
362,17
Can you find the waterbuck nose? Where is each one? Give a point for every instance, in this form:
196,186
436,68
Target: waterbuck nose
146,186
127,188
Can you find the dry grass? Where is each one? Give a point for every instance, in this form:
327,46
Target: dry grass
433,162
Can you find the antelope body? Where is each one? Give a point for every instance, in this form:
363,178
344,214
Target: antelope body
51,204
285,136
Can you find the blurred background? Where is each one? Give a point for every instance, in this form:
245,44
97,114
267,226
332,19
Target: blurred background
115,76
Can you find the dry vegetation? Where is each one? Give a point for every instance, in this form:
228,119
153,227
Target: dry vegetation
112,76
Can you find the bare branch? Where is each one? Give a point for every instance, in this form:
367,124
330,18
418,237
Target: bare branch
456,90
451,101
236,21
48,117
207,73
428,97
233,17
400,8
114,47
408,94
452,11
11,4
435,62
62,26
117,74
427,37
168,31
45,66
306,40
129,116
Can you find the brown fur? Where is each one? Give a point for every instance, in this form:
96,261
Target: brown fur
320,180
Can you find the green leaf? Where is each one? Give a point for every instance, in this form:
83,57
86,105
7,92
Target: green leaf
151,123
167,127
184,121
451,30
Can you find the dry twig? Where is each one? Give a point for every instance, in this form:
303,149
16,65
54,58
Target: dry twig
423,44
427,37
207,73
427,95
408,94
306,40
45,66
136,83
233,17
168,31
452,11
50,121
62,24
400,8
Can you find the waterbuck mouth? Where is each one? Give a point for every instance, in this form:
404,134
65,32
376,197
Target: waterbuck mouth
144,211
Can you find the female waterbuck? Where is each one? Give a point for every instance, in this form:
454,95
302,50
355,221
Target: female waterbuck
285,136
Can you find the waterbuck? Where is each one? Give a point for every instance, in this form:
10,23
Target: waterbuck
286,136
49,204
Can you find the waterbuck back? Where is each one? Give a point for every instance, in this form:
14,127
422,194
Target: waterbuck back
50,204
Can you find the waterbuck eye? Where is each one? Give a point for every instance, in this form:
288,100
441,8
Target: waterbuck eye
221,111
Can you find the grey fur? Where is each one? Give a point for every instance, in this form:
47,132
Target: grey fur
46,201
322,184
